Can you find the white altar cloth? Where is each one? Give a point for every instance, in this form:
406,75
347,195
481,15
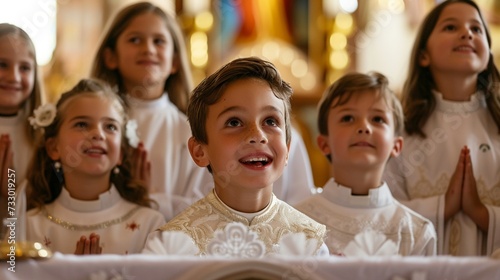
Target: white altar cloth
151,267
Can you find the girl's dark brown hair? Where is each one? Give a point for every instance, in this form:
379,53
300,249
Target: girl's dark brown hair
178,85
418,100
45,184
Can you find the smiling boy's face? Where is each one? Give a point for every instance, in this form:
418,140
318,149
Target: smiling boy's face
246,137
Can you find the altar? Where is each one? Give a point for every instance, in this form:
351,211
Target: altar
151,267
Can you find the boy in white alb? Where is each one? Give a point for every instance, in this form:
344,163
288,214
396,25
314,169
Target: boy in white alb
359,122
240,121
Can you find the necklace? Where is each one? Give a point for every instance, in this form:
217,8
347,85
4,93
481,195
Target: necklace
76,227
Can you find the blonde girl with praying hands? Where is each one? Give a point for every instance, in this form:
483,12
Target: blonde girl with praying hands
80,193
448,169
20,93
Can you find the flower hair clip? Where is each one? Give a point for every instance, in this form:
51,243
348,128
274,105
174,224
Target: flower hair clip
43,116
131,133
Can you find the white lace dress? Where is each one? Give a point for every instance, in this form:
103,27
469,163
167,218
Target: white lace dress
420,176
122,226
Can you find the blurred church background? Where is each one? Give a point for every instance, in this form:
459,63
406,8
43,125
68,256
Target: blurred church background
312,42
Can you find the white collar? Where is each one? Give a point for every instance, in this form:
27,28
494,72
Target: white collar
106,200
19,119
378,197
159,102
476,102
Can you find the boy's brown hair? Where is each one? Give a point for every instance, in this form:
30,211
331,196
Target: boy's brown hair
341,91
210,90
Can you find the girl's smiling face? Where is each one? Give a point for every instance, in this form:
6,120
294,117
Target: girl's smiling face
17,73
458,42
144,53
89,138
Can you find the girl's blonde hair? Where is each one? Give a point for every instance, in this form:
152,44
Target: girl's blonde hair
178,85
36,95
418,99
46,183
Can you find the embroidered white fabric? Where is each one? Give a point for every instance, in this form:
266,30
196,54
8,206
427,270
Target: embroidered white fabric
177,243
371,243
297,244
236,240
